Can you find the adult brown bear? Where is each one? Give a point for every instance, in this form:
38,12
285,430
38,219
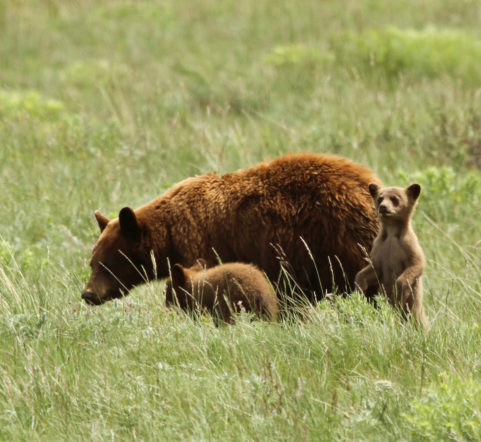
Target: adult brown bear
312,214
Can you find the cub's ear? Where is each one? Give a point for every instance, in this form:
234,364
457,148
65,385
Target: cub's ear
373,190
178,275
102,220
129,225
202,263
413,191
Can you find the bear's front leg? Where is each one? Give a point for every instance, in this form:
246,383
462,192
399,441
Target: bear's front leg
411,297
366,278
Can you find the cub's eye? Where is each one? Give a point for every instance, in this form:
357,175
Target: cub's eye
379,200
395,200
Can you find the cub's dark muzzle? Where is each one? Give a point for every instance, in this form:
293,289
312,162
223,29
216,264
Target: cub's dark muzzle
383,209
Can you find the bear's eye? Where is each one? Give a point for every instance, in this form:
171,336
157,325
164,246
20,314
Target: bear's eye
104,268
379,200
395,200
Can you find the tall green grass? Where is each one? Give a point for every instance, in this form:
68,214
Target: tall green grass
106,104
428,52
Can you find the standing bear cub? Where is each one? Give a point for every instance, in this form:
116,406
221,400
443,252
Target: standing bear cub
396,260
222,290
308,214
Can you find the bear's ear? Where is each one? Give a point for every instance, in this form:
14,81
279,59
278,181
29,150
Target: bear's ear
413,191
178,275
129,225
102,220
373,190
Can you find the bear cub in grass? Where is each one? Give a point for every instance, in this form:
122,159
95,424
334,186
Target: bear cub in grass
222,290
396,260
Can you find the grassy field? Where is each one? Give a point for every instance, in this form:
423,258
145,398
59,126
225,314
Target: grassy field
109,103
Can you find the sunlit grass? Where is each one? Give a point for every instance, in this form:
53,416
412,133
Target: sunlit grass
428,52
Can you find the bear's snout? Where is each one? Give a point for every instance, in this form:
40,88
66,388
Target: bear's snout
383,209
91,298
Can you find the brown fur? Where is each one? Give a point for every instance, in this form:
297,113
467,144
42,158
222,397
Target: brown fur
265,215
222,290
396,260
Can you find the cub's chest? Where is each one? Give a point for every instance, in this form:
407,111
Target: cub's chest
389,258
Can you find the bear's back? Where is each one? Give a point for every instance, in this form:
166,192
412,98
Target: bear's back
309,213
